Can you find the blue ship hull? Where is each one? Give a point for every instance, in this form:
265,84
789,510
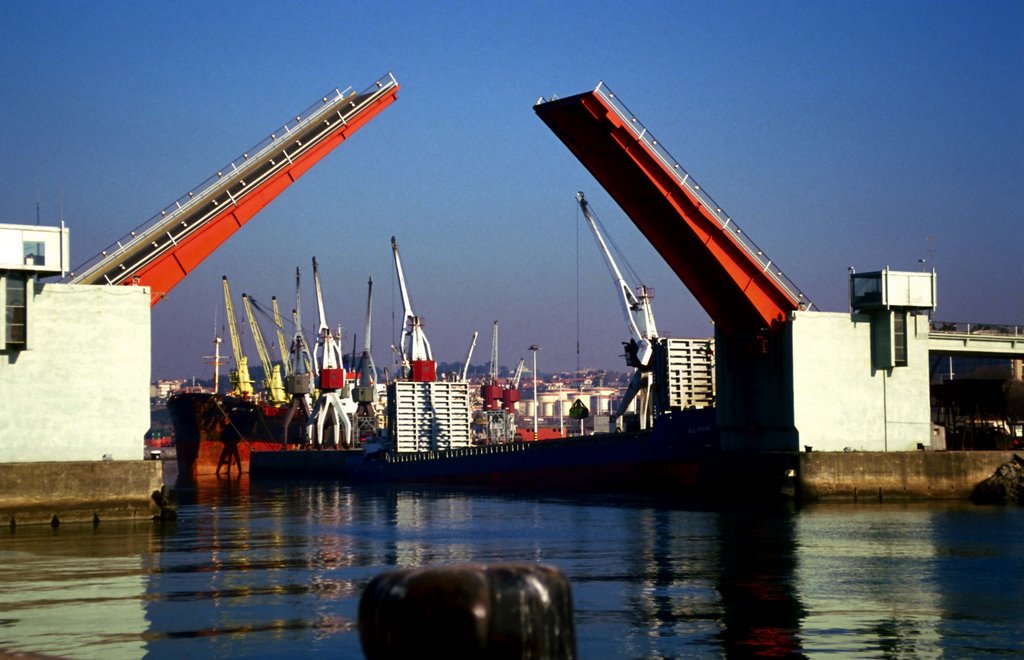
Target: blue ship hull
668,457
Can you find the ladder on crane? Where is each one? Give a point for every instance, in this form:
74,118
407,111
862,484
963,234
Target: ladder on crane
166,248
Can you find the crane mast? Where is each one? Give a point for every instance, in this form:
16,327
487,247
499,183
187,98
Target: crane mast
365,393
241,383
272,384
494,355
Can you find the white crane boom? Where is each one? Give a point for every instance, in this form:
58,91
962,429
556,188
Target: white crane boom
636,307
414,344
469,354
514,383
329,352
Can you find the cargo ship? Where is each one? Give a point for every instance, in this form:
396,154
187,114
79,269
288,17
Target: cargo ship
217,433
671,457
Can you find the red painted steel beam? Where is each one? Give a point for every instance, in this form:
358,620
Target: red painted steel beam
727,282
172,259
172,267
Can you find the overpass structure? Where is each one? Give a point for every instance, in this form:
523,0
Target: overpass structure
963,340
733,280
167,247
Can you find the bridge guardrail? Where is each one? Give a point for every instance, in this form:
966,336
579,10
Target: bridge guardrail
224,175
981,329
688,182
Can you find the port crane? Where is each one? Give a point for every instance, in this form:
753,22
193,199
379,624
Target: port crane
417,359
328,413
365,393
490,392
636,307
170,245
509,399
273,386
241,382
299,383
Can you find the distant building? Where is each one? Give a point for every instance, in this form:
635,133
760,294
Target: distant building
162,389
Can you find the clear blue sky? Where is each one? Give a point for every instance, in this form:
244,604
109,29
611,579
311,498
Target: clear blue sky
837,134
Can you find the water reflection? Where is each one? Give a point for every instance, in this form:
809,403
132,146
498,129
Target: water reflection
270,569
73,588
762,612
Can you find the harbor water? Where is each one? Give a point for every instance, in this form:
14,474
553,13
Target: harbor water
267,569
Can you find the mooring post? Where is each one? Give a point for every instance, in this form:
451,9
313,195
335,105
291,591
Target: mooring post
505,610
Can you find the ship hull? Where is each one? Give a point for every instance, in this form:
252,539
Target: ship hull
667,458
218,434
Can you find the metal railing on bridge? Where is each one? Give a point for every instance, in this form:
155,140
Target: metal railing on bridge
687,181
239,178
977,339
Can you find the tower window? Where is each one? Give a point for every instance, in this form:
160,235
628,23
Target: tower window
899,338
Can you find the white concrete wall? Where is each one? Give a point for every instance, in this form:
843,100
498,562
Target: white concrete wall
840,400
81,391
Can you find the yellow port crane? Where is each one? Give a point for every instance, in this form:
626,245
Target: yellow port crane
279,327
241,383
273,386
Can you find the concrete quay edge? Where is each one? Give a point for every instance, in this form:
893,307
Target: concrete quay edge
893,476
57,492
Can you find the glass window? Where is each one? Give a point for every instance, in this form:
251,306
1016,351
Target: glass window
14,312
899,338
35,253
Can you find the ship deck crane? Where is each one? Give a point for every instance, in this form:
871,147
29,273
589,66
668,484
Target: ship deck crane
272,384
169,246
490,390
509,399
639,317
328,413
636,301
491,393
417,359
299,383
241,382
365,393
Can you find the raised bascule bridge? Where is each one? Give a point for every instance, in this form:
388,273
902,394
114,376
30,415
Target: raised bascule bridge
730,276
788,375
167,247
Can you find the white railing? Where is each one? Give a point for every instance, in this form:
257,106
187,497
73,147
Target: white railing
683,177
977,329
156,227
